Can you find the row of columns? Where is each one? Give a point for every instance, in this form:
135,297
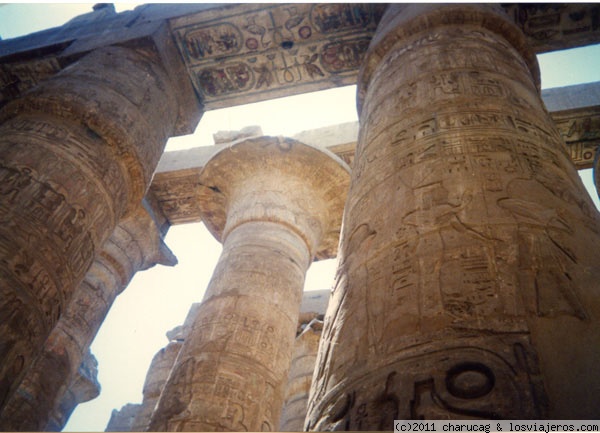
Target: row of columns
468,266
44,396
467,282
76,157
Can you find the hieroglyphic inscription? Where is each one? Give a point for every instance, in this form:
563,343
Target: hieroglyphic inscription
581,133
244,335
457,163
18,77
465,382
557,26
243,30
259,52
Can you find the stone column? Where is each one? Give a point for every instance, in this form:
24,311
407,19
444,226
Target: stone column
596,171
275,204
302,368
84,387
469,268
308,334
159,371
135,245
76,153
122,420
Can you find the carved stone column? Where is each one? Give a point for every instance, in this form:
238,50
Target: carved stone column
274,203
469,268
84,387
76,153
159,371
135,245
302,368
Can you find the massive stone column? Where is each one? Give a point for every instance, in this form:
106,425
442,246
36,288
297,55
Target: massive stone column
469,265
135,245
76,153
275,204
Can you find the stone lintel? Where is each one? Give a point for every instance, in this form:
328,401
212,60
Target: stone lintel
301,186
579,96
575,109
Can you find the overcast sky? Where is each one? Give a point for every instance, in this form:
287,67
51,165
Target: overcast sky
158,299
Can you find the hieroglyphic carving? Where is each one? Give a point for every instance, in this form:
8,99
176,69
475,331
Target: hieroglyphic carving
18,77
258,52
581,132
556,26
267,39
178,195
461,382
76,155
237,355
456,165
136,244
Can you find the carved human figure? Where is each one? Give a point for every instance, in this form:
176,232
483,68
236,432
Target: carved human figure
468,276
275,204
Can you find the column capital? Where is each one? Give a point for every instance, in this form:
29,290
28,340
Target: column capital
406,21
279,180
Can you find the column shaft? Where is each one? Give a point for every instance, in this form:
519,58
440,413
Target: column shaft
50,375
299,380
464,285
135,245
238,350
160,369
275,203
76,153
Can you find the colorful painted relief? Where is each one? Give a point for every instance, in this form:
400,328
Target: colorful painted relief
254,53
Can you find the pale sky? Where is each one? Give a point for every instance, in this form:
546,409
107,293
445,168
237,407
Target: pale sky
157,300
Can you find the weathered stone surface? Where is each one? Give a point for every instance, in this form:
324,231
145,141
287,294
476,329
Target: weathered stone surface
238,54
550,27
123,419
256,52
576,113
84,387
159,371
300,377
228,137
306,345
574,109
273,220
76,154
135,245
468,278
467,220
29,60
312,309
339,139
